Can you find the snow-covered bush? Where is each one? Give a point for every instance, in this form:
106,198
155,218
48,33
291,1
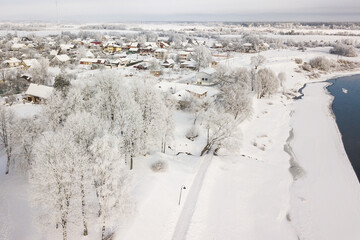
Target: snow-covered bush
192,133
306,66
159,166
266,83
298,60
344,50
320,63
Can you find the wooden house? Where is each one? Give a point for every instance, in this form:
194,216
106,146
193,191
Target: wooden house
38,93
205,76
60,60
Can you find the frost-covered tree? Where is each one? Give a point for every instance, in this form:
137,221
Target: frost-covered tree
221,128
257,61
111,179
53,178
202,57
266,83
40,72
27,132
282,79
222,74
82,128
237,100
154,113
7,134
56,110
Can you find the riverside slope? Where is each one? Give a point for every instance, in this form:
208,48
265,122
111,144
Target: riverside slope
325,202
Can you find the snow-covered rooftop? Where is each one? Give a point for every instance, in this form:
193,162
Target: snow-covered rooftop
38,90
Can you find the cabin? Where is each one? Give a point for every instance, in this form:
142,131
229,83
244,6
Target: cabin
205,76
37,93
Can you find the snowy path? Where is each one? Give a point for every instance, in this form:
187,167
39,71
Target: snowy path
242,198
188,210
325,202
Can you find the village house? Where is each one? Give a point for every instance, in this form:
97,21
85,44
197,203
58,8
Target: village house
191,64
66,48
161,54
12,62
168,63
91,61
205,76
184,56
17,46
112,47
60,60
37,93
28,63
198,94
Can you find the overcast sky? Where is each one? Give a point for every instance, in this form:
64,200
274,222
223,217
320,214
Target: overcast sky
180,10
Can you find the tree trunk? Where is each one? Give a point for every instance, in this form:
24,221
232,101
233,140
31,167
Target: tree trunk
208,136
64,224
205,150
7,164
83,203
103,231
131,162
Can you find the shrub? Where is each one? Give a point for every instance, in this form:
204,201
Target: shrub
192,133
298,60
343,50
306,67
320,63
159,166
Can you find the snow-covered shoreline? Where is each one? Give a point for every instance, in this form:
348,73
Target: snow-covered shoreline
325,201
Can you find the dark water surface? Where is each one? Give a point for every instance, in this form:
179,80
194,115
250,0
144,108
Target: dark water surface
346,107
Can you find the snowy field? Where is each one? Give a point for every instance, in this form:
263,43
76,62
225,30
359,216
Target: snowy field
249,194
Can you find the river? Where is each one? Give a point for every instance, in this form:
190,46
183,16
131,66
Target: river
346,107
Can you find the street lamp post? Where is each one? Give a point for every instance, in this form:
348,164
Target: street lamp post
182,187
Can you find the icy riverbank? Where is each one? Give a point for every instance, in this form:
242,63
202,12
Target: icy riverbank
325,201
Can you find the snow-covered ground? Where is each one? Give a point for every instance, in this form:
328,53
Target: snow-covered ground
247,195
325,201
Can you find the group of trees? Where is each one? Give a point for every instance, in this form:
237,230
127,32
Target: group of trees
233,104
79,152
94,134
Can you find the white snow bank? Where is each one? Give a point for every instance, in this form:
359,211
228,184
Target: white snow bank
325,202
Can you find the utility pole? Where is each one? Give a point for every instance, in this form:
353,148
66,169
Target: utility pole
182,187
